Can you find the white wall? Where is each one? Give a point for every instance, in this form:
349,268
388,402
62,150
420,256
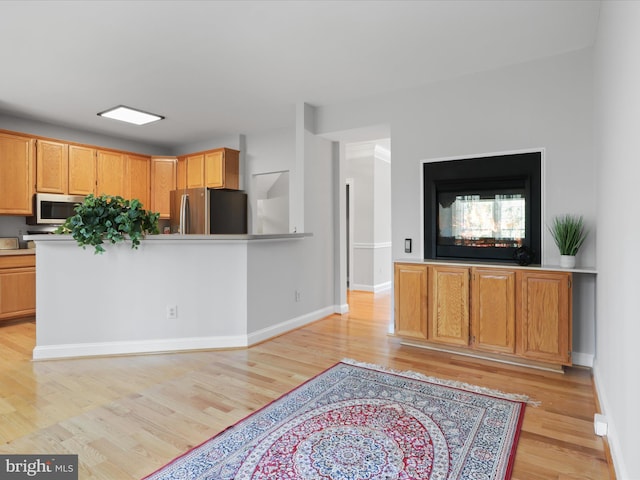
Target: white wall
265,152
367,166
59,132
546,103
617,119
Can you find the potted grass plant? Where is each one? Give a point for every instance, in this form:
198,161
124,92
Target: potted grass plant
569,233
109,218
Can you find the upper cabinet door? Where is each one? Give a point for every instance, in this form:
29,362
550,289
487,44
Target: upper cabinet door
82,170
52,165
214,169
139,170
163,180
195,171
112,174
181,173
222,168
16,175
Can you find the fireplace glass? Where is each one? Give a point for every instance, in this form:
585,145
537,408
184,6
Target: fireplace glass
492,218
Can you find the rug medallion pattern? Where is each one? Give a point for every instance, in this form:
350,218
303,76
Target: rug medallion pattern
360,423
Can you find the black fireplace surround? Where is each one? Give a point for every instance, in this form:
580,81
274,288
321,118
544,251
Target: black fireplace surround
483,208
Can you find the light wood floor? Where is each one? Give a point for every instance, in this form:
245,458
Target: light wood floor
127,416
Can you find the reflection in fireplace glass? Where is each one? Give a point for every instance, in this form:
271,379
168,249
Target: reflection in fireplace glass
482,219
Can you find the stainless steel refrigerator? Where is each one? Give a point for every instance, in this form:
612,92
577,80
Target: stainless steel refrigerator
208,211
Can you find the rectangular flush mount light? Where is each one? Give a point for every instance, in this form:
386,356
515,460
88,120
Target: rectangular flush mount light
130,115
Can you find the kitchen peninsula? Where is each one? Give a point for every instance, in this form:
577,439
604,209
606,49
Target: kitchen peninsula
175,293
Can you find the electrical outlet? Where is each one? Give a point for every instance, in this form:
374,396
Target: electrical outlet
298,295
600,425
172,312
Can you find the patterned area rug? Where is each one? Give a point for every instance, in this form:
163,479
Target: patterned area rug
361,422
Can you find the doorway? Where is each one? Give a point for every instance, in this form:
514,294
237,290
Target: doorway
349,229
367,210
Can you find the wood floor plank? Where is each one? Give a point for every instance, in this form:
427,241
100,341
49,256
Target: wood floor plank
127,416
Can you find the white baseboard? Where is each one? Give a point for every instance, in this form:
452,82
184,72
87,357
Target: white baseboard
341,309
582,359
288,325
612,436
381,287
49,352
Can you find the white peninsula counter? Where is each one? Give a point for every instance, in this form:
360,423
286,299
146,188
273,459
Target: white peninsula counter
225,290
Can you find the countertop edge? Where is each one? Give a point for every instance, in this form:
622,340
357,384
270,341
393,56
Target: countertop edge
515,266
20,251
183,238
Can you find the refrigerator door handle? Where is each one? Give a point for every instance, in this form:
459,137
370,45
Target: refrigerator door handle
183,205
187,214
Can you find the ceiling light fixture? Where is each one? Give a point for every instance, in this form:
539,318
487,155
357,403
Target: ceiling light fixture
130,115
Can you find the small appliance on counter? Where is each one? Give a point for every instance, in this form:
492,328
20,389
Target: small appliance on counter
9,243
208,211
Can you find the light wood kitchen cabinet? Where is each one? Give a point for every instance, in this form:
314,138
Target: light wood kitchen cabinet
82,170
217,168
493,312
546,311
52,167
17,286
195,170
139,179
449,305
163,180
222,168
181,173
111,174
65,169
16,174
410,300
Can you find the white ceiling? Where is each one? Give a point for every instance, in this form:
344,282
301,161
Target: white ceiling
215,68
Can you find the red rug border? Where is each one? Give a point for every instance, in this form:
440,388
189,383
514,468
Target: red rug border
512,453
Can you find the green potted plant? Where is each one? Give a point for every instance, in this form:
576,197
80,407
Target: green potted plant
569,233
109,218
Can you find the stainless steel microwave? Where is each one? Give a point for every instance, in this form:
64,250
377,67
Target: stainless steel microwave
52,208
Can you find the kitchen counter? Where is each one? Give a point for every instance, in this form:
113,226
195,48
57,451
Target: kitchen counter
184,238
174,293
21,251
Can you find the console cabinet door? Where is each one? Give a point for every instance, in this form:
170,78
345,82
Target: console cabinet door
493,313
410,302
82,170
16,175
545,317
449,305
52,167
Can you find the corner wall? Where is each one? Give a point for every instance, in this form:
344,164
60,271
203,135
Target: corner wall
617,100
541,104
